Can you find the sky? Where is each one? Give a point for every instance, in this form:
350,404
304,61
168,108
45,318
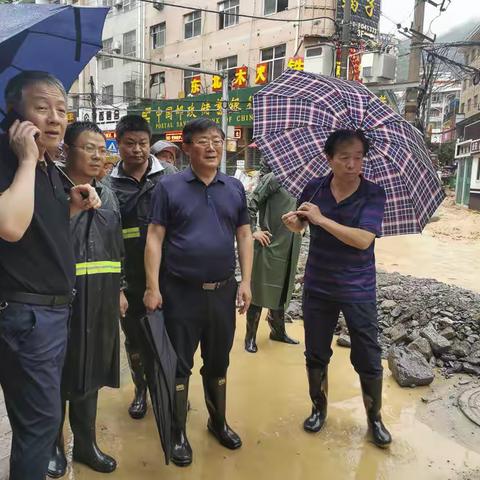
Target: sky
401,11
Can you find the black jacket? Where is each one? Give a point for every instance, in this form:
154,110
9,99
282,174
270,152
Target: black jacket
135,198
92,359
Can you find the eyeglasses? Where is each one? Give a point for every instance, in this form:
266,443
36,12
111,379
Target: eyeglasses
204,142
90,149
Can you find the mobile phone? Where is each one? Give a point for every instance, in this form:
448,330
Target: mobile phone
9,118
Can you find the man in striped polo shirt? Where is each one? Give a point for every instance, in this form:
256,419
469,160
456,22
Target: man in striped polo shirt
344,212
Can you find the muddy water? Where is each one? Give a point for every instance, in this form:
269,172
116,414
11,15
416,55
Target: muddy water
455,262
268,401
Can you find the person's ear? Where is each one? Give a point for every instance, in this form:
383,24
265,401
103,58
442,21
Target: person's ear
186,148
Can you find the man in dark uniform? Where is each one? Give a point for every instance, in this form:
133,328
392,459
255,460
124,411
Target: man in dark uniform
133,180
37,268
92,360
197,215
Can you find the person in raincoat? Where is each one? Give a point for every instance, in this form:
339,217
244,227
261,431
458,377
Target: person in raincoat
92,357
165,151
133,180
276,252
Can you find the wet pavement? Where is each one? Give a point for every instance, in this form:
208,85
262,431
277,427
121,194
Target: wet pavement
268,401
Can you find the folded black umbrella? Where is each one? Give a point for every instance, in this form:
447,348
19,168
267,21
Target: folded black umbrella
160,369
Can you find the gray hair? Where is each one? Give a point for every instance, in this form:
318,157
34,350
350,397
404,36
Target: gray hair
15,86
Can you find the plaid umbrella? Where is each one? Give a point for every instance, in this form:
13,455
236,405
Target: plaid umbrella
293,117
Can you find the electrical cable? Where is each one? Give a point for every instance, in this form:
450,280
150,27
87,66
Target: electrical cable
244,15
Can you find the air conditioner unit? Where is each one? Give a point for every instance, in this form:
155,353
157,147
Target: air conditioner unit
158,6
320,59
116,47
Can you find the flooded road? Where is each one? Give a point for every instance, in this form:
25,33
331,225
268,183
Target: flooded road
454,262
267,403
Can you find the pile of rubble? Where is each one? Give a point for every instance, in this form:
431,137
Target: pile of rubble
425,324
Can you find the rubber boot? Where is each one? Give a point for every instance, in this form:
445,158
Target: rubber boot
372,399
253,317
318,388
57,466
138,407
181,454
276,320
83,416
215,390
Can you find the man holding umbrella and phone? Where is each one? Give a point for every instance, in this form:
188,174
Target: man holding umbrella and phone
37,272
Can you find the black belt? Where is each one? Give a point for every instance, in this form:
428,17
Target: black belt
38,299
203,286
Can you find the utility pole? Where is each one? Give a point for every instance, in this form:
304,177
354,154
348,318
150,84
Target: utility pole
415,61
346,38
93,100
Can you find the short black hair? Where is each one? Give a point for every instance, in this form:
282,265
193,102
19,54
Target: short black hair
132,123
15,86
199,125
341,136
75,129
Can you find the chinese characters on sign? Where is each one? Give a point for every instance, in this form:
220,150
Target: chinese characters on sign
475,146
365,17
241,77
217,83
296,63
172,115
195,85
261,76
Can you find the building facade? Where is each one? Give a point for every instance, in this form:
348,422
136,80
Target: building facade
468,131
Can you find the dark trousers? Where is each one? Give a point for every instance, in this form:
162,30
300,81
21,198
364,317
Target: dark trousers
193,316
32,350
131,325
320,319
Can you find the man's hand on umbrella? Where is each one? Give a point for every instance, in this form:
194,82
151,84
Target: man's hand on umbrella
22,141
310,212
152,299
263,237
293,222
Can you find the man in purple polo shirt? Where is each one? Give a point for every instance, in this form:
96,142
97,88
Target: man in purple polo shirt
345,213
197,215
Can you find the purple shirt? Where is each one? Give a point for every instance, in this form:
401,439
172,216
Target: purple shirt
335,270
201,222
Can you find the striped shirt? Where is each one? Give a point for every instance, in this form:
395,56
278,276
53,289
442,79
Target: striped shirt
335,270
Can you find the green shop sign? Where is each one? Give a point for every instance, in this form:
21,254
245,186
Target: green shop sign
167,115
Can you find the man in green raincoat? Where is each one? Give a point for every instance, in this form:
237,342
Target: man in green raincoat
276,252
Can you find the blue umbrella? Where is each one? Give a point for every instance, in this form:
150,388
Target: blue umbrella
58,39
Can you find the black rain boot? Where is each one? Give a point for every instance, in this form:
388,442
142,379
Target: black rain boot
318,388
372,399
253,317
83,416
138,407
215,390
57,466
276,320
181,454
